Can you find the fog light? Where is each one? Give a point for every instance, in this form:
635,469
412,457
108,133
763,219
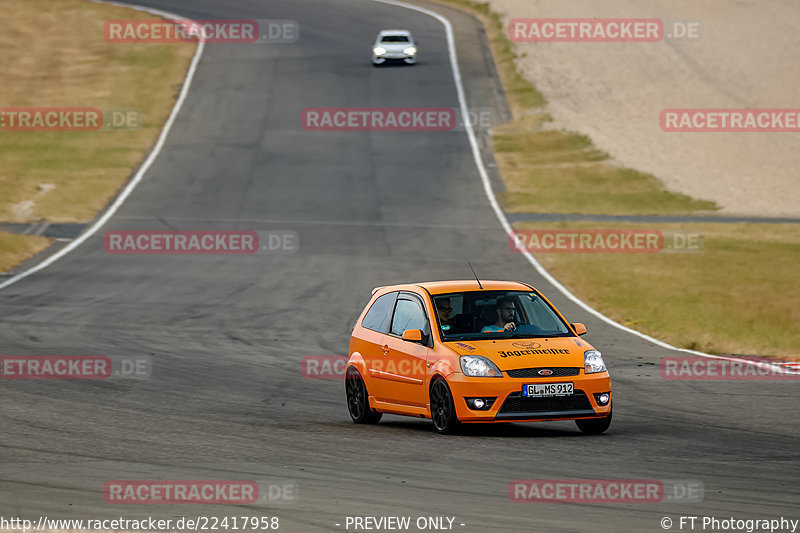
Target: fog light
480,404
602,398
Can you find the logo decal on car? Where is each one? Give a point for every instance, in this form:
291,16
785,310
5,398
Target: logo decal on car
549,351
465,346
528,345
545,372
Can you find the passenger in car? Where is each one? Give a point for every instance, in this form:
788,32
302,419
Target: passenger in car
505,317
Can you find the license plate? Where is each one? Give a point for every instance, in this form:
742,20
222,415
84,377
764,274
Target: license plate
548,389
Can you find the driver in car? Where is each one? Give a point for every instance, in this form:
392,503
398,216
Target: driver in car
444,310
505,317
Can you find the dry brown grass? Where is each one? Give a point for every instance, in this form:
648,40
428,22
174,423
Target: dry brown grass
55,54
14,249
738,294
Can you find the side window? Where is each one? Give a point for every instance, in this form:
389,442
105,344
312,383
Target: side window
408,315
377,318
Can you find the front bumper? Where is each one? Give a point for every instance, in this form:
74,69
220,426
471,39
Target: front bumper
395,57
510,405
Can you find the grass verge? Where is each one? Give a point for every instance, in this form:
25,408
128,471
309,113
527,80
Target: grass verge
556,172
14,249
55,55
737,294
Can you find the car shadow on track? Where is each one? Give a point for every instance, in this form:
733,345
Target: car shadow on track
505,430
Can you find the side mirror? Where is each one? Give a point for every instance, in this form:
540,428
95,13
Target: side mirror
412,335
579,328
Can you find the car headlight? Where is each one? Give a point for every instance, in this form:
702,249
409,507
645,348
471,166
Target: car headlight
593,362
379,50
411,50
479,367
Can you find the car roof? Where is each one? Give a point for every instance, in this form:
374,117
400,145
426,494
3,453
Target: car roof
395,32
444,287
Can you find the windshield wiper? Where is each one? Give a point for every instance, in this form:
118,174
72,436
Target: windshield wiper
538,335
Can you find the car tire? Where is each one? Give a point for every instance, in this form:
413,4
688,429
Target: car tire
594,426
443,411
358,399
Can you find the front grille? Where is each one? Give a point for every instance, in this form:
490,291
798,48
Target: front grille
517,403
558,372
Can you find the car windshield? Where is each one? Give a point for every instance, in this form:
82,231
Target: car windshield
394,39
480,315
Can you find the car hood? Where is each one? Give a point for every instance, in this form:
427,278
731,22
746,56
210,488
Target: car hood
511,354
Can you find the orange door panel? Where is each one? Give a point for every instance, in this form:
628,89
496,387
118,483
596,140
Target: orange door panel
403,376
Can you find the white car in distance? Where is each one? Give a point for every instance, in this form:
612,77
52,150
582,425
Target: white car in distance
394,46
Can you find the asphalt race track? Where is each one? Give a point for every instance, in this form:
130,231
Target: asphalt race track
226,333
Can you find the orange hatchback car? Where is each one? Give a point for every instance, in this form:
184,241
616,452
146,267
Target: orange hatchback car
473,351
